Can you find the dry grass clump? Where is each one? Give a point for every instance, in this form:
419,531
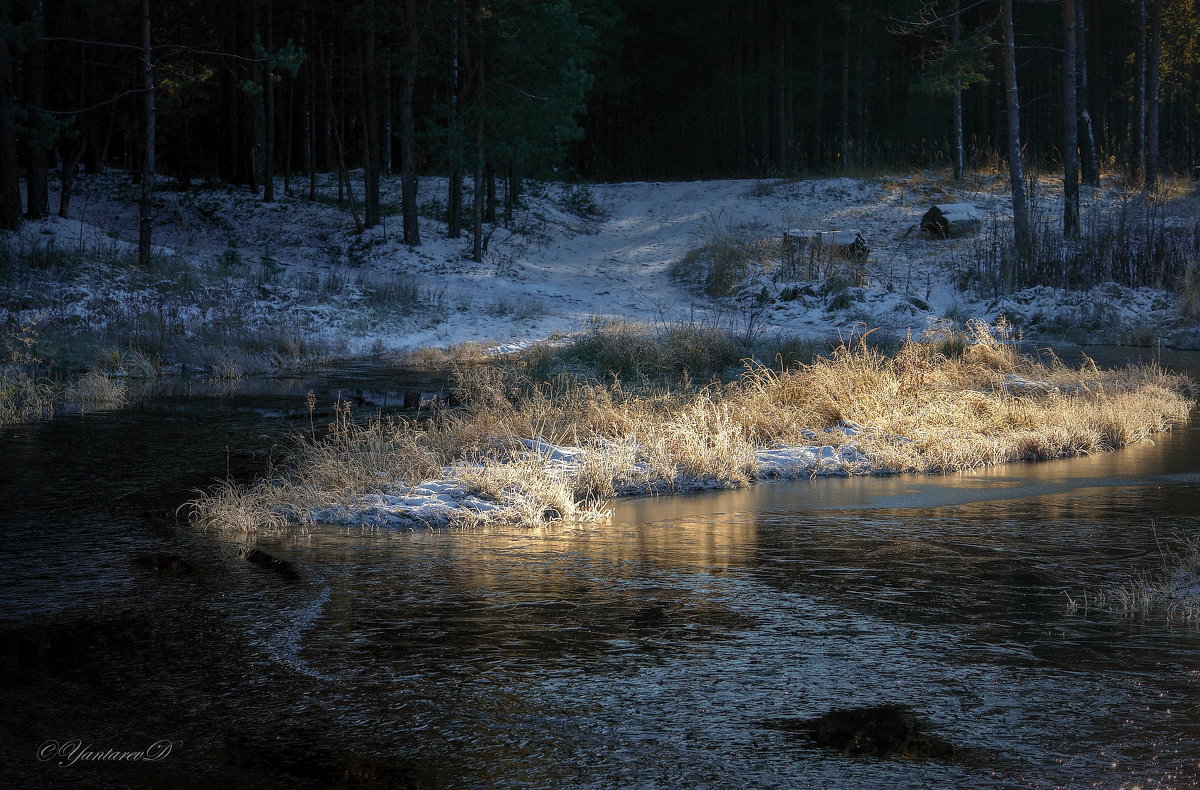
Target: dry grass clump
701,442
30,390
636,350
352,459
465,353
727,253
917,410
95,389
242,508
23,396
26,397
926,412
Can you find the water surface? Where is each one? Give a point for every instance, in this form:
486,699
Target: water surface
656,651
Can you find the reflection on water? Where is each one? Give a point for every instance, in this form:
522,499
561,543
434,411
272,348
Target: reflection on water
652,652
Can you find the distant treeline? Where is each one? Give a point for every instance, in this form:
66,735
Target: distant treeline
268,92
773,87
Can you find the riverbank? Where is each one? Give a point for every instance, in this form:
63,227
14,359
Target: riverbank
241,287
529,449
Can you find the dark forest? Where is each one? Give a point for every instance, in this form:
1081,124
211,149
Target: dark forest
243,91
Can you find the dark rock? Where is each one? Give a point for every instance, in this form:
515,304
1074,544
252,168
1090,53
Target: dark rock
263,560
165,563
882,731
649,615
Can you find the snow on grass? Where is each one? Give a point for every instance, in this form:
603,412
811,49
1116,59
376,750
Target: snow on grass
528,451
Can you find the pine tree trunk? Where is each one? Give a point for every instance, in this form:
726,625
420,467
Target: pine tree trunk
387,131
454,190
1087,132
510,194
817,153
371,127
10,186
308,133
37,192
145,214
1153,63
310,111
230,167
1138,160
782,89
249,140
1016,173
71,157
477,238
339,147
1070,123
289,115
846,90
408,129
955,42
268,90
328,160
478,191
489,212
408,162
455,186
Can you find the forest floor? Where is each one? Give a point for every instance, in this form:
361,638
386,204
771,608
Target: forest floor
295,273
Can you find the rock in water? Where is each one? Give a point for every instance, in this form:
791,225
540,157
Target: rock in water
263,560
165,563
882,731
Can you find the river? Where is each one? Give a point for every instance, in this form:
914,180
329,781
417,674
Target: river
661,650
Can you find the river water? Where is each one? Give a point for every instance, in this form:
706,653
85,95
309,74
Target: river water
660,650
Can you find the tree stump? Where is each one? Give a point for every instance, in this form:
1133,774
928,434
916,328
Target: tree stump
848,244
816,247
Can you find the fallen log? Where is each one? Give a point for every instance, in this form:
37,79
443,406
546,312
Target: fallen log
947,220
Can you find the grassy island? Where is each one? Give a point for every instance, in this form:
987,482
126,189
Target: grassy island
540,437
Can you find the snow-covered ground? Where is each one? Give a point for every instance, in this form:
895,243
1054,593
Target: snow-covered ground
555,269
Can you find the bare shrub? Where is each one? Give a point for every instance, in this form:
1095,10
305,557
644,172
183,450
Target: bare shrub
1134,244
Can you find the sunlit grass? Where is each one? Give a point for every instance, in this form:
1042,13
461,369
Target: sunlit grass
915,410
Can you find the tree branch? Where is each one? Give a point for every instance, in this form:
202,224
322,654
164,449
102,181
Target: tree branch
110,100
526,94
92,43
